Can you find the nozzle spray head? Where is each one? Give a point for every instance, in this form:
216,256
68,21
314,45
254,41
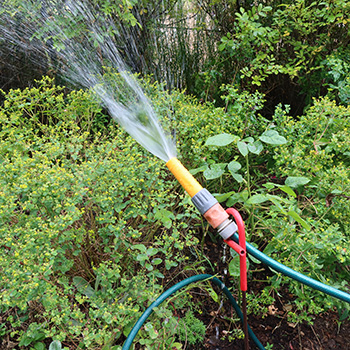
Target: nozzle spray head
187,181
203,200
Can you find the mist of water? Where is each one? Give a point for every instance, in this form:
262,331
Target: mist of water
85,59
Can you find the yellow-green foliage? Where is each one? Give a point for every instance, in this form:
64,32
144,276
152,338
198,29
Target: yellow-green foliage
76,193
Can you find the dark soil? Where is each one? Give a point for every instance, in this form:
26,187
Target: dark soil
326,332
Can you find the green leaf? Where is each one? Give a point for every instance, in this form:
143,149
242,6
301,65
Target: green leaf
213,294
234,166
272,137
127,329
255,147
288,190
221,140
278,198
242,147
141,247
269,185
83,286
215,171
344,315
39,346
198,170
234,267
248,139
295,181
240,197
257,199
149,267
150,330
158,274
157,261
223,197
233,200
297,218
254,260
55,345
152,251
238,177
269,249
277,203
165,216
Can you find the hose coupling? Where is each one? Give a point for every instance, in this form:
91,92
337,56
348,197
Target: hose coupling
227,229
203,200
214,213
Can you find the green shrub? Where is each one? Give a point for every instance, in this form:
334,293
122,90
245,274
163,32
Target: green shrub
291,183
85,220
93,227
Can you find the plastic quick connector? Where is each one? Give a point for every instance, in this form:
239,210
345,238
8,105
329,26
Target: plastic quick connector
204,201
227,229
215,214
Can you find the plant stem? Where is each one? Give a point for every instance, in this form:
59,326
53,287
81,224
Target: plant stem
251,216
248,175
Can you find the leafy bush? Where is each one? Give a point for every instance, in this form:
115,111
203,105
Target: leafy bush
193,330
291,183
338,77
80,205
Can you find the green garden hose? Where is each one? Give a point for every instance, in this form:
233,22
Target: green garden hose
275,265
174,289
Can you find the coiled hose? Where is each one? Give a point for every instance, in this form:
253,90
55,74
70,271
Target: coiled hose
177,287
275,265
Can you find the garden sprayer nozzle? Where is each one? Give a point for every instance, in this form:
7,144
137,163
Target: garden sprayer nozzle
204,201
187,181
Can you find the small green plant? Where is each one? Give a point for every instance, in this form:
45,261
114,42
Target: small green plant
191,329
338,77
246,197
269,346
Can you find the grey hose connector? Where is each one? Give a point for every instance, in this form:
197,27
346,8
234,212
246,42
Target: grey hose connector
227,228
204,200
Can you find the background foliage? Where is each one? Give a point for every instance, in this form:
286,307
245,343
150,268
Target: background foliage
289,51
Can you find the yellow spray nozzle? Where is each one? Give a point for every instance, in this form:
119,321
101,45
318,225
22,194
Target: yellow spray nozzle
187,181
203,200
